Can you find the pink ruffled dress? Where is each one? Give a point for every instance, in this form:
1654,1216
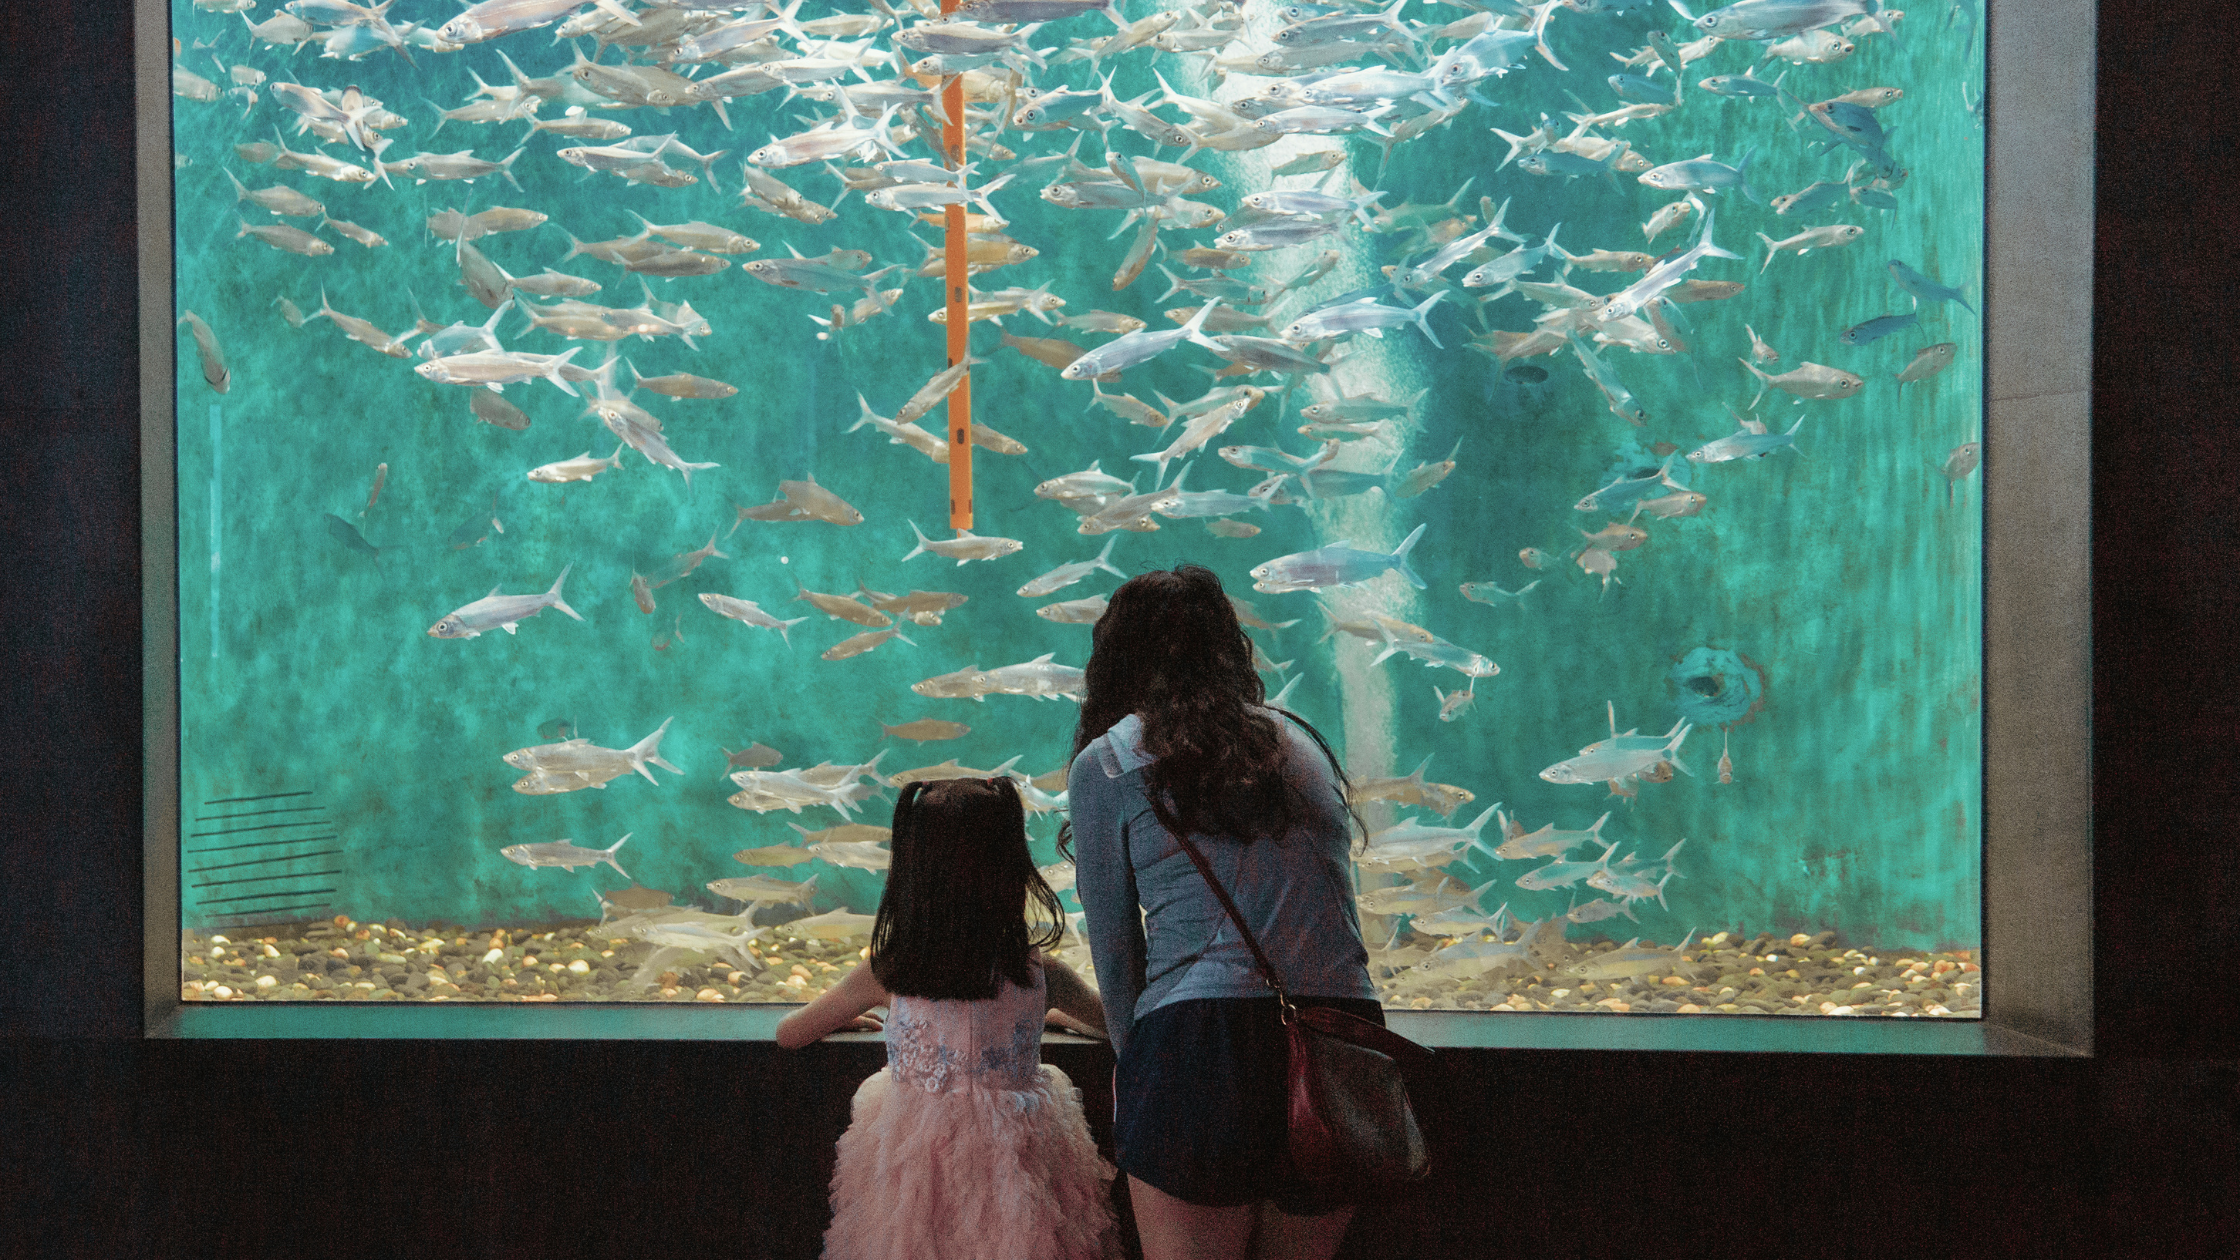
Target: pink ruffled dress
966,1146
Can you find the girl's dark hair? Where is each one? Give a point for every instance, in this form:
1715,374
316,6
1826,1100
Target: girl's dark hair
954,914
1169,647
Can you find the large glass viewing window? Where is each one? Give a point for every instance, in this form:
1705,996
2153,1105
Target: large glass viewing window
1622,429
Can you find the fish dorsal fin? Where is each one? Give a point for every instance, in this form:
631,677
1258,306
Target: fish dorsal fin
493,591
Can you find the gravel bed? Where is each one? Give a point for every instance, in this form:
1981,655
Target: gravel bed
563,962
581,962
1724,975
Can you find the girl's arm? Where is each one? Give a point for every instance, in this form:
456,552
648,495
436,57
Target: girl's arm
857,992
1070,994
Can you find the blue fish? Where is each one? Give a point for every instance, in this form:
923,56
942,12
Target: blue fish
1740,85
1877,328
1924,289
347,534
1632,87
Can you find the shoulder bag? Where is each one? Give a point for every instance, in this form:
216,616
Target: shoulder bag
1349,1120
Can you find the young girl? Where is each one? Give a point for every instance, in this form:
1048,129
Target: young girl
966,1146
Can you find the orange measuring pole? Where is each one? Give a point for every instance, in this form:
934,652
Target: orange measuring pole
960,322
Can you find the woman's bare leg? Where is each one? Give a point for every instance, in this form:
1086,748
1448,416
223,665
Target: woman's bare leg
1173,1229
1282,1236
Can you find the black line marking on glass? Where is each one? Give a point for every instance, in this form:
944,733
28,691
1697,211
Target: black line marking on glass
237,831
295,892
262,844
259,813
258,879
292,857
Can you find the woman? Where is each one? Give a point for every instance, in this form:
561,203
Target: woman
1175,735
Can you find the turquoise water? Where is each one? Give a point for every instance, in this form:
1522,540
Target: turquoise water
1843,578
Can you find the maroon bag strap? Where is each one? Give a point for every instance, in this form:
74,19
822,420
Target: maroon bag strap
1326,1020
1267,969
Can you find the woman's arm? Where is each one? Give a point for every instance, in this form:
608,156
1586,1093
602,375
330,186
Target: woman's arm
1106,885
857,992
1069,993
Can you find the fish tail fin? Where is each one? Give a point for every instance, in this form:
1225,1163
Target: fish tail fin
1400,558
785,626
558,602
1421,317
921,547
1478,825
552,372
649,750
1104,558
688,468
1193,331
607,855
1770,251
1539,30
1764,380
1710,247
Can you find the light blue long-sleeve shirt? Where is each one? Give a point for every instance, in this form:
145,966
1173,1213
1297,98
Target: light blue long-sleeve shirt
1295,890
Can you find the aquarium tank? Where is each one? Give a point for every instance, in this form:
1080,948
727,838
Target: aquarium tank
1580,401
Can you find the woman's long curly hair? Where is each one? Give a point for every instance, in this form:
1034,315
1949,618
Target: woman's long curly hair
1169,648
954,915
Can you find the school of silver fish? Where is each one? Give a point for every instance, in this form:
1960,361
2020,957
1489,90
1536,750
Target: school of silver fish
801,113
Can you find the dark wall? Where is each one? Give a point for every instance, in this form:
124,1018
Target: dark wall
535,1149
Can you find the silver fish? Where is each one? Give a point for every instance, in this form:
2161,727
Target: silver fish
832,925
1335,565
281,236
1608,761
580,759
1806,380
498,369
1040,678
858,644
501,612
1963,460
750,613
1067,574
581,468
1546,842
1928,361
1630,959
966,546
564,854
1130,349
213,357
1562,874
765,890
1078,612
1805,242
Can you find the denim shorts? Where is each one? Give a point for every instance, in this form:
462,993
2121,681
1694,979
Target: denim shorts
1200,1103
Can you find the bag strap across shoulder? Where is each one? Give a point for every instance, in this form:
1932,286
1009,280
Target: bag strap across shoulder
1267,969
1325,1020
